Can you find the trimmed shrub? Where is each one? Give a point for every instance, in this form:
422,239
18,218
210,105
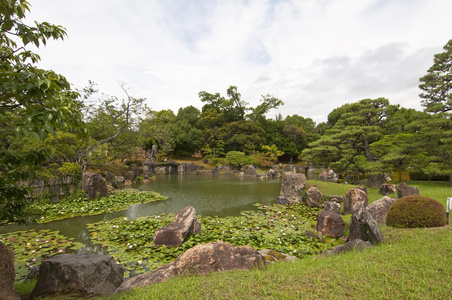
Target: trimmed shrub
416,211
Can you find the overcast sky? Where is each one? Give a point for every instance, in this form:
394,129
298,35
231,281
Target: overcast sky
315,55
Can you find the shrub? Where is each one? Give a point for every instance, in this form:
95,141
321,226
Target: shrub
416,211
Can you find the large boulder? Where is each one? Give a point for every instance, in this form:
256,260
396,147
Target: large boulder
379,209
80,274
329,176
94,185
173,235
405,190
292,185
388,189
330,223
7,274
201,259
314,197
364,227
352,198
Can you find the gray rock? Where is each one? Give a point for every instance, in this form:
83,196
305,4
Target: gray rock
282,200
7,274
330,223
331,205
201,259
358,231
352,198
375,181
355,245
292,185
81,274
388,189
173,235
94,185
362,188
364,227
379,209
329,176
405,190
336,198
314,197
250,171
376,237
130,175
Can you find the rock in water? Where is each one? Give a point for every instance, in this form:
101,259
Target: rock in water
173,235
292,185
81,274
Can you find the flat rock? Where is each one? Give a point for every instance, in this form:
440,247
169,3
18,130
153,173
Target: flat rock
355,245
80,274
201,259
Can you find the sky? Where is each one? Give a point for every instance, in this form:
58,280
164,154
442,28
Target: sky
315,55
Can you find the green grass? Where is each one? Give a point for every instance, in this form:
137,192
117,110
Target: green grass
410,264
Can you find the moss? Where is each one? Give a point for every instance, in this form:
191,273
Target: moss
278,256
416,211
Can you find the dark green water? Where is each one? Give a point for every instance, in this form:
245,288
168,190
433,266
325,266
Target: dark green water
209,195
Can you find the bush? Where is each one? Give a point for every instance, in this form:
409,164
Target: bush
416,211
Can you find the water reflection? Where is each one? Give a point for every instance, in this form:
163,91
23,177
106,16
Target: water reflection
210,196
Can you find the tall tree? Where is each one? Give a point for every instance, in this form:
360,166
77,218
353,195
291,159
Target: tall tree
436,88
436,85
347,145
33,102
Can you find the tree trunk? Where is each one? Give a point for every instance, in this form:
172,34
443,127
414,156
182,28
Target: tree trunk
400,175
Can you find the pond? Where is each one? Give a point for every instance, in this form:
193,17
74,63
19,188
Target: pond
209,195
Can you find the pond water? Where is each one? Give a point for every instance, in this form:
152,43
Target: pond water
210,196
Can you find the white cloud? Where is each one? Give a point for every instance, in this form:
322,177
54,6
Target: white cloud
314,55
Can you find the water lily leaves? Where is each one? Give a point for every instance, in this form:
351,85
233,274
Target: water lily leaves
29,247
276,227
83,207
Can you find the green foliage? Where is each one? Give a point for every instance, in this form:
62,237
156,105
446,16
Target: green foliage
416,211
437,84
346,147
54,171
240,159
81,206
280,228
29,247
33,103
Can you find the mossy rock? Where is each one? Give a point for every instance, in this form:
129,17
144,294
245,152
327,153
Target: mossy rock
416,211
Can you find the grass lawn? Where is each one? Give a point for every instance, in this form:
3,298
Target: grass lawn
410,264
